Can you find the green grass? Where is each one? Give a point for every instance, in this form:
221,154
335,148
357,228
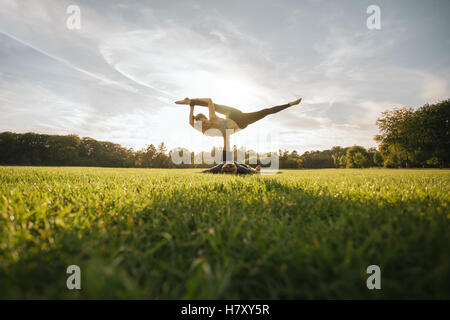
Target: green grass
165,234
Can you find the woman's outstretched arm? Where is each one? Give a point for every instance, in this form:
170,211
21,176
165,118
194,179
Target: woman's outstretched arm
206,102
191,116
212,111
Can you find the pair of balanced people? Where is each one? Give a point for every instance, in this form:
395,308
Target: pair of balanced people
234,120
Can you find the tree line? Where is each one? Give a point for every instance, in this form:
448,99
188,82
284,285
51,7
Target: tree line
407,138
415,138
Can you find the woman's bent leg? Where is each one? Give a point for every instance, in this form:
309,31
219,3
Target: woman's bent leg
226,110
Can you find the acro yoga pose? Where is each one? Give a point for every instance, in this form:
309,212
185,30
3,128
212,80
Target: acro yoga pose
235,119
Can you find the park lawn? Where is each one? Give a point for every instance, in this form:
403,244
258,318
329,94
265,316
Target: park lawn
177,234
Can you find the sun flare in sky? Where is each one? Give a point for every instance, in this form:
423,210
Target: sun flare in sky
116,77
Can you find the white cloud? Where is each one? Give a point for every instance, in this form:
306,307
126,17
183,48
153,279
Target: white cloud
116,78
178,62
434,88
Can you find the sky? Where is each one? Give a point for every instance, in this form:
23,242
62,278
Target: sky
116,78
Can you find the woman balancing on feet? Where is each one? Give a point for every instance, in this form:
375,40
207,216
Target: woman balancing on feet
235,119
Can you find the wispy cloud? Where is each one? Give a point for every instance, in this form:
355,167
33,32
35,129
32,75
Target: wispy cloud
100,78
116,78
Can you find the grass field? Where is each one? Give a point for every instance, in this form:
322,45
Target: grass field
164,234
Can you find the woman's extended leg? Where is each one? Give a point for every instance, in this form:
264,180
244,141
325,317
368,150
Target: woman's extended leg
244,119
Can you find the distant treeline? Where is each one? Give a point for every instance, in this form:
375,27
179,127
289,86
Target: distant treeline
407,138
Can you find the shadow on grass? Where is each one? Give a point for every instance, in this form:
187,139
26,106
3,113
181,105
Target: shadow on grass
282,242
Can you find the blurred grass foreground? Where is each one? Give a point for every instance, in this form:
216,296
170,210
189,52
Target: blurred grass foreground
175,234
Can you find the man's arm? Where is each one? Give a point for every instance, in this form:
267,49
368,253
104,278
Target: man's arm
243,169
215,169
191,116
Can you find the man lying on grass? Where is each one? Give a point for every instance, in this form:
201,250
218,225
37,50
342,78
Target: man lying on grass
233,168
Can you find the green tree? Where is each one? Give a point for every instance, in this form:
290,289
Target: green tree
357,157
378,159
148,156
337,153
411,138
161,159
